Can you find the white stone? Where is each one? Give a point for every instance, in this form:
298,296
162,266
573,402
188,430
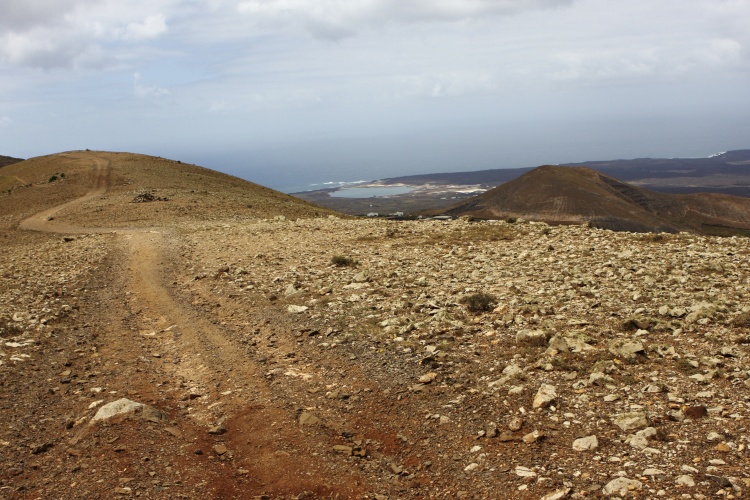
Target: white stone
524,472
557,495
621,486
471,467
653,472
685,480
119,407
297,309
586,443
545,396
631,421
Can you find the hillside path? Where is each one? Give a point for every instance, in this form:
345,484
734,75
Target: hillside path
146,319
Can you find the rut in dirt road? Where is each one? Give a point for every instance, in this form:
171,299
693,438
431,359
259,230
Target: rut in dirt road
204,356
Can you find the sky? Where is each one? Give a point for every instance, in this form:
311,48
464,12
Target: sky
289,93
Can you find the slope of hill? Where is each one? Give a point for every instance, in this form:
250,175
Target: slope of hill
581,195
8,182
190,191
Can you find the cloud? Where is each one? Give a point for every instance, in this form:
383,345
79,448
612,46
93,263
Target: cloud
51,34
646,61
23,15
144,91
5,121
151,27
333,19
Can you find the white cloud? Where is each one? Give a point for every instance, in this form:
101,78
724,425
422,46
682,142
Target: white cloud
333,19
73,33
720,51
151,27
144,91
646,61
5,121
22,15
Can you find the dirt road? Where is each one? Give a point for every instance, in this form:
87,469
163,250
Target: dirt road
194,368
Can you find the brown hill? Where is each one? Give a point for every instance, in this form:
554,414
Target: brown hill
8,160
180,191
575,195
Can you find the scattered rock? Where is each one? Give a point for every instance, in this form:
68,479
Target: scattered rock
491,430
631,421
587,443
533,437
524,472
557,494
427,378
627,349
621,486
531,338
545,396
685,480
306,418
122,406
471,467
343,450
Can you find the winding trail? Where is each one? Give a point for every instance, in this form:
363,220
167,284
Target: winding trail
44,221
201,353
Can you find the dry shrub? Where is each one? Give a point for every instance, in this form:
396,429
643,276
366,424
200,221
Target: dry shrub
343,261
479,302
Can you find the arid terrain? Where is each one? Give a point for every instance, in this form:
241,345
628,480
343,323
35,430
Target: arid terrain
171,332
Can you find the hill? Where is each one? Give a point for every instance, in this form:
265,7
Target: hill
8,160
181,191
558,194
8,182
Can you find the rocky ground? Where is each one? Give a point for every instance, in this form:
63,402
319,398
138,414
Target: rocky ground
321,357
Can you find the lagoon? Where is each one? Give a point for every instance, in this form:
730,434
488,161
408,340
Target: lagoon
371,192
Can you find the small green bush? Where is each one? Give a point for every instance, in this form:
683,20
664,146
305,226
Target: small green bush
479,302
343,261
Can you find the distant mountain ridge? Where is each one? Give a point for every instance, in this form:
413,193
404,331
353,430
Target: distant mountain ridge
727,173
8,160
575,195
